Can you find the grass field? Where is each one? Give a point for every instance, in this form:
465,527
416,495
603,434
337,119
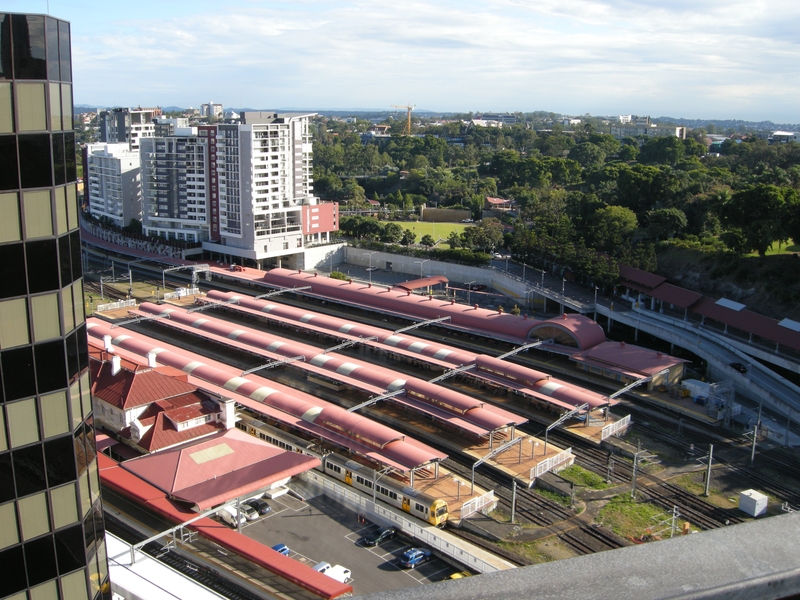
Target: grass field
785,249
435,230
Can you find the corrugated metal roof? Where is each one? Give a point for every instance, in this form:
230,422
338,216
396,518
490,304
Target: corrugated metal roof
648,281
417,284
672,294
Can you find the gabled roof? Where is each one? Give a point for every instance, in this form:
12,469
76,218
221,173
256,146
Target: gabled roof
163,433
213,470
138,386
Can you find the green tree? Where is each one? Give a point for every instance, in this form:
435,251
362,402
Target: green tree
664,223
409,237
588,155
762,213
392,233
454,239
427,240
612,227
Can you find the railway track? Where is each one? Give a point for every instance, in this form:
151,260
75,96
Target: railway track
589,539
693,509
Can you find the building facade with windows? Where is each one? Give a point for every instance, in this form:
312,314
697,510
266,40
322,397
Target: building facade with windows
127,125
113,182
51,521
175,171
265,181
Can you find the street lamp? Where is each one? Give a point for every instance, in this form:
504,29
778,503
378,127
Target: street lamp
469,288
563,281
595,302
458,484
543,278
370,265
421,262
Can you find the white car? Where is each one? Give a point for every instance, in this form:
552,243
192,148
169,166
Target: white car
337,572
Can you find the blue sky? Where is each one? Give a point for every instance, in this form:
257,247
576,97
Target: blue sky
731,59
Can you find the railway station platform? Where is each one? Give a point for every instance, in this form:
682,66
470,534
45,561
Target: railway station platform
525,460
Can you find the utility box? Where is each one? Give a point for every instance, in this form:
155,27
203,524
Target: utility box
753,503
696,388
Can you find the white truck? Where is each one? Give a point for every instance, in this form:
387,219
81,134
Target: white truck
230,515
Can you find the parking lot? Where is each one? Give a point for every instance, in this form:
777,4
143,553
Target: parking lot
320,529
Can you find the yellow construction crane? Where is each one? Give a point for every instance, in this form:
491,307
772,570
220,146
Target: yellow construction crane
409,108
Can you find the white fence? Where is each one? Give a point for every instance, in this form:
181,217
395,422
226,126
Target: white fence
181,293
615,428
478,504
375,511
115,305
552,463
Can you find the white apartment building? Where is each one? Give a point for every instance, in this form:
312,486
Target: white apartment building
113,182
265,180
127,125
175,174
243,190
211,110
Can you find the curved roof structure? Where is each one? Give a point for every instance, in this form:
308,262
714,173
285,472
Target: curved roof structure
468,409
329,417
578,329
441,352
570,330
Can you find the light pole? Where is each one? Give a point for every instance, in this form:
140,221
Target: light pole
595,302
469,289
458,484
370,265
421,262
543,278
563,281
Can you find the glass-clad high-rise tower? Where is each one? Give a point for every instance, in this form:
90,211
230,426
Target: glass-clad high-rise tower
51,524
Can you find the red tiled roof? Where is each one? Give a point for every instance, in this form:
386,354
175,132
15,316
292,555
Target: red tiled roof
749,322
628,359
163,433
137,387
498,201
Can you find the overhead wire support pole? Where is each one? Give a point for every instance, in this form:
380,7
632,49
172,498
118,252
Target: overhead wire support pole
563,418
492,454
195,270
283,291
139,319
349,343
208,305
422,324
376,399
274,363
525,347
632,385
451,373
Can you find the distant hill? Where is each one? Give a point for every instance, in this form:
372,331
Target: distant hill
723,124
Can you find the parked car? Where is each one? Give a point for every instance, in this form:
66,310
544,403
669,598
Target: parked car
466,221
248,511
380,536
281,549
231,516
259,505
415,556
460,575
337,572
739,367
477,287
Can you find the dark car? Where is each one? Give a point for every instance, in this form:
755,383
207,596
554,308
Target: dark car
739,367
258,505
414,556
380,536
477,287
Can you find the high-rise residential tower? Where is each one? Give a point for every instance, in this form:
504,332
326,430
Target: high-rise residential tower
51,522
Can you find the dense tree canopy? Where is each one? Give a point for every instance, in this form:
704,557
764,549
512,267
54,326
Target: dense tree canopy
585,200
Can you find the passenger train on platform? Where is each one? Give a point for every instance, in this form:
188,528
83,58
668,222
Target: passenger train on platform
391,491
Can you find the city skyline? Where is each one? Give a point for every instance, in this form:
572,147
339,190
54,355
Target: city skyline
732,60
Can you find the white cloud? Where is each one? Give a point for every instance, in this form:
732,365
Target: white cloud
705,58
